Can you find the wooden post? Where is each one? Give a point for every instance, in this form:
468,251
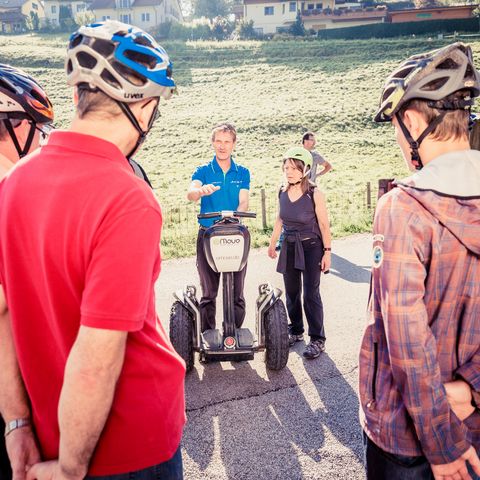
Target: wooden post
369,195
264,209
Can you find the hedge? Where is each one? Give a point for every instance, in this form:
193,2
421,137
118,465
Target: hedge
383,30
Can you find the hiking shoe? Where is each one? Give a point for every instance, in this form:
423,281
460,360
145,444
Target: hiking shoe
314,349
292,338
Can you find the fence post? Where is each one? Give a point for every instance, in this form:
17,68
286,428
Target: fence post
264,208
369,195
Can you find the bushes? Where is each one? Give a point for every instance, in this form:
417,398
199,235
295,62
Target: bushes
219,28
386,30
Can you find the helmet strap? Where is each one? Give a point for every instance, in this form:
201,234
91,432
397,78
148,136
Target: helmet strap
142,134
11,131
292,184
415,144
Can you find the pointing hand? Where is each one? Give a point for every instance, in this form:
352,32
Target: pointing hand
206,190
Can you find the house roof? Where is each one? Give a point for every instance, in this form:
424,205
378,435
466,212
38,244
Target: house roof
11,3
100,4
147,3
11,17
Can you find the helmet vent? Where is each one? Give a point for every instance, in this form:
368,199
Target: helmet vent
141,58
86,60
76,40
403,73
133,77
37,96
436,84
103,47
469,72
448,64
143,41
110,79
69,67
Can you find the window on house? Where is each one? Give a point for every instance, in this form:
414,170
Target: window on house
319,6
54,9
124,3
34,6
283,9
80,7
145,17
292,7
268,10
126,18
105,18
310,6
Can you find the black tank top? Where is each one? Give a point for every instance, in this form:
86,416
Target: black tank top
299,217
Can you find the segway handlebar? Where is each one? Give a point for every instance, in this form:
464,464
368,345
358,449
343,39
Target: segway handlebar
226,214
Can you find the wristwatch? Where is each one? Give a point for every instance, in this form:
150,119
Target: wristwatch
17,423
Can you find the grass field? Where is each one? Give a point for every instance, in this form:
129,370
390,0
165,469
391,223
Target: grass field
273,92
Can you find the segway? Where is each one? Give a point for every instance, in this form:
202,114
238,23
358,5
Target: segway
227,245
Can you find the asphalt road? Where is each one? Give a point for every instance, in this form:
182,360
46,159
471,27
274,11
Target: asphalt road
245,422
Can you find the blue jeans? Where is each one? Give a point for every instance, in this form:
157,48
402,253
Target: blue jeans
170,470
381,465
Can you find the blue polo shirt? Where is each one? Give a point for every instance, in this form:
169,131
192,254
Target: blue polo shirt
230,183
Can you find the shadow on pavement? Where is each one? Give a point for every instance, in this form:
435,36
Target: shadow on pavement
340,403
257,438
343,268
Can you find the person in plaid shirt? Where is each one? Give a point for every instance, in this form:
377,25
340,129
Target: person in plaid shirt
420,354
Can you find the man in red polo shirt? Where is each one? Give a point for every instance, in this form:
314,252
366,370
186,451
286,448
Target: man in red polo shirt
79,256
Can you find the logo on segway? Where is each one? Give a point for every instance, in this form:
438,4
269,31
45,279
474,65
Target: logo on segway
229,342
225,241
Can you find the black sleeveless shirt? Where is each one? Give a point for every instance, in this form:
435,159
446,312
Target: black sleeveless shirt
299,222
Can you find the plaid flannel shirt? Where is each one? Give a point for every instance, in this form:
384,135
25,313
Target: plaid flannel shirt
424,323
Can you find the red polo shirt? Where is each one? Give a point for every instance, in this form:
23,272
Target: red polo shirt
79,245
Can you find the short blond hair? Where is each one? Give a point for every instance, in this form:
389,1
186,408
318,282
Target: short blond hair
225,127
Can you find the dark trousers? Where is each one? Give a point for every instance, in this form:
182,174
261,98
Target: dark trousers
170,470
381,465
5,470
209,281
312,302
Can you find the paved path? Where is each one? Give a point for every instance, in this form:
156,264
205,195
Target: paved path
245,422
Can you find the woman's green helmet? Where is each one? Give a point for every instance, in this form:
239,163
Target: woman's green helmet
299,153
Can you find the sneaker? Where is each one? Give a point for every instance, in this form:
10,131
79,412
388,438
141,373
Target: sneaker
292,338
314,349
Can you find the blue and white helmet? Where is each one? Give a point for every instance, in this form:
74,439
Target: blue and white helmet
121,60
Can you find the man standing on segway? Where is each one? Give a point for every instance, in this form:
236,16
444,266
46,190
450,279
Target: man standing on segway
220,184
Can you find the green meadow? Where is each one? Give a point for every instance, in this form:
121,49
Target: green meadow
273,91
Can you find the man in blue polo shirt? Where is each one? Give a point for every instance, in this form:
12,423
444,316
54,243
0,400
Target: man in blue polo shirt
221,185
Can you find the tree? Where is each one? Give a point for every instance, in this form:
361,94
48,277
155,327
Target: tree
84,18
297,28
246,30
221,28
211,8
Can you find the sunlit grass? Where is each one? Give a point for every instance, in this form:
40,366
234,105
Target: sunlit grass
273,92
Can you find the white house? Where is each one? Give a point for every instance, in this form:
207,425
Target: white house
277,15
142,13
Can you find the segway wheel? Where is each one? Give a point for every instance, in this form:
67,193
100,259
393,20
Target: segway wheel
181,333
276,337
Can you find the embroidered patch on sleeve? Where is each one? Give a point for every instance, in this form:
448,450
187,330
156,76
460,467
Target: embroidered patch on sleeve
377,256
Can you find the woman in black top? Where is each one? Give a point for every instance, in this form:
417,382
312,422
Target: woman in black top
306,250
